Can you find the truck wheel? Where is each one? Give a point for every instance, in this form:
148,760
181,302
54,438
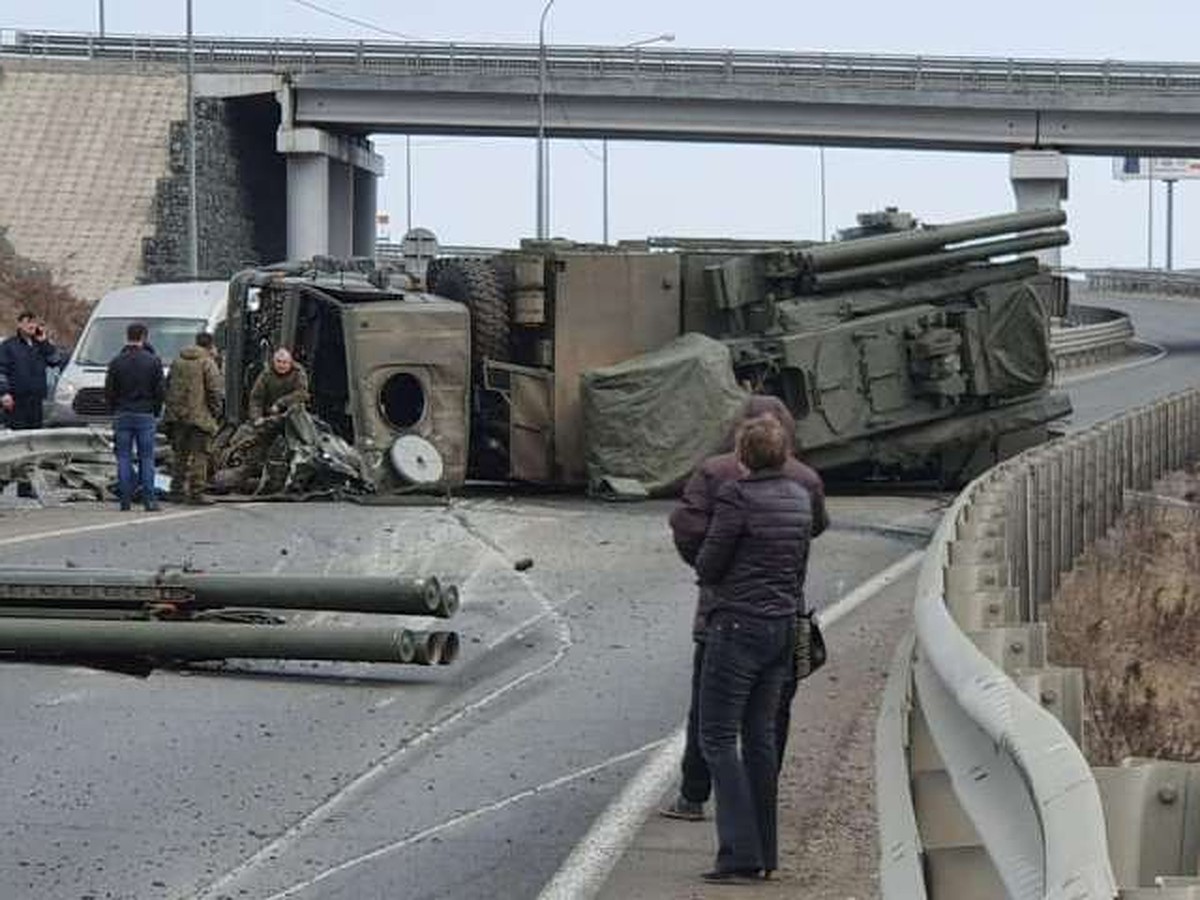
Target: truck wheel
476,283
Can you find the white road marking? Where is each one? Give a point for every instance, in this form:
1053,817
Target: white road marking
104,526
587,868
583,874
463,818
869,588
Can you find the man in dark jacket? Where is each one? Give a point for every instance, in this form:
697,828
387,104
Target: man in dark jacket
193,407
689,524
134,389
24,358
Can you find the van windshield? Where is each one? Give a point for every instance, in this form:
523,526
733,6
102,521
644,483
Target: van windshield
106,337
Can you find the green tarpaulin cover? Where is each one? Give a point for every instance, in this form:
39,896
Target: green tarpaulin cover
652,418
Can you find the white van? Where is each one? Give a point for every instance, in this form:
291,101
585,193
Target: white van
172,313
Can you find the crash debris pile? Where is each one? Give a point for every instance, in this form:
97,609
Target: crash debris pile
295,455
135,622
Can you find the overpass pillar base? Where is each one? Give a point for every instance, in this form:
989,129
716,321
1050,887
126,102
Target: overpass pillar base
1039,180
331,187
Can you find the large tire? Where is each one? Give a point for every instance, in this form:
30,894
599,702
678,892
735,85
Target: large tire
476,283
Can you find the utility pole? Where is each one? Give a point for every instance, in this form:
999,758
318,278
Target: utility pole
604,188
541,131
193,212
821,169
101,18
408,181
667,38
1170,224
1150,212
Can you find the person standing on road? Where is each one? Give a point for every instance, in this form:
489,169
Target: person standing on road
689,524
279,387
194,398
753,561
24,358
134,389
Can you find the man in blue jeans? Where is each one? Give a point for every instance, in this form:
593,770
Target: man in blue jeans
134,389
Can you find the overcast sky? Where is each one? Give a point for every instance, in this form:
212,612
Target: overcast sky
481,191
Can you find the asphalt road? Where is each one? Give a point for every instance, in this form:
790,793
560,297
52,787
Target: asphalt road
338,781
1174,325
352,781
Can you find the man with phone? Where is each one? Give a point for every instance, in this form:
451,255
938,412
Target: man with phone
24,358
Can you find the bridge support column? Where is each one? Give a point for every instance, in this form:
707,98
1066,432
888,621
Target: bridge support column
366,188
307,205
326,204
1039,180
341,208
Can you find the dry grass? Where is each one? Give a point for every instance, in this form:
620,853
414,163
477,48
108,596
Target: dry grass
1129,615
25,285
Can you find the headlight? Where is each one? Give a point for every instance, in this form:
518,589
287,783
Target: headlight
65,391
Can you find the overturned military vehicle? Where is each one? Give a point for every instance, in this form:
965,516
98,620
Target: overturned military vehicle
918,352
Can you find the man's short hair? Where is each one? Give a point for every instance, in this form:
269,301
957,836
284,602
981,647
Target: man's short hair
204,340
135,332
25,316
762,443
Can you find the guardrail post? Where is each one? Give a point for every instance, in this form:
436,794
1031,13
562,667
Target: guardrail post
1138,481
1158,449
1093,453
1044,498
1016,541
1110,476
1193,427
1080,460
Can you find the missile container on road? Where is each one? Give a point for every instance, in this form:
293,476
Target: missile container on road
922,351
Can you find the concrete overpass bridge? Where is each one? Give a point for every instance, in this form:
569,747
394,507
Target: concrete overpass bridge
333,94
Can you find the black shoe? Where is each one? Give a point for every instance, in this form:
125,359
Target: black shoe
734,876
197,500
125,507
152,506
25,489
683,808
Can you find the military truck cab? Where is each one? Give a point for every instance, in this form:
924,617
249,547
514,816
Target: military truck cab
383,360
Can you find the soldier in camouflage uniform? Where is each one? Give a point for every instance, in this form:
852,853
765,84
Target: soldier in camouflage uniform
193,409
278,388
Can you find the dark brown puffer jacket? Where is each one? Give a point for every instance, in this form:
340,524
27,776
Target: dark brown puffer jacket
756,550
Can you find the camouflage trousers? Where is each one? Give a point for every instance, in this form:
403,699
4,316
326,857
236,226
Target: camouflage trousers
191,447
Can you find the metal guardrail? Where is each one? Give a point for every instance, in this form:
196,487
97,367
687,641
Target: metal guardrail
20,448
835,70
1104,334
1145,281
1018,812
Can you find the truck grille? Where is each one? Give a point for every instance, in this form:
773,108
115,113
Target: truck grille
90,402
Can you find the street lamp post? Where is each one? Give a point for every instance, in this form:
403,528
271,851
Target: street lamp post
193,212
658,38
1170,223
541,132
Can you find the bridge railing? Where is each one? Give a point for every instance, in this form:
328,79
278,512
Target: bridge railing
990,794
861,71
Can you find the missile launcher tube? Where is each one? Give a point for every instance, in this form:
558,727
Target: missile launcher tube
932,262
104,588
864,251
196,641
